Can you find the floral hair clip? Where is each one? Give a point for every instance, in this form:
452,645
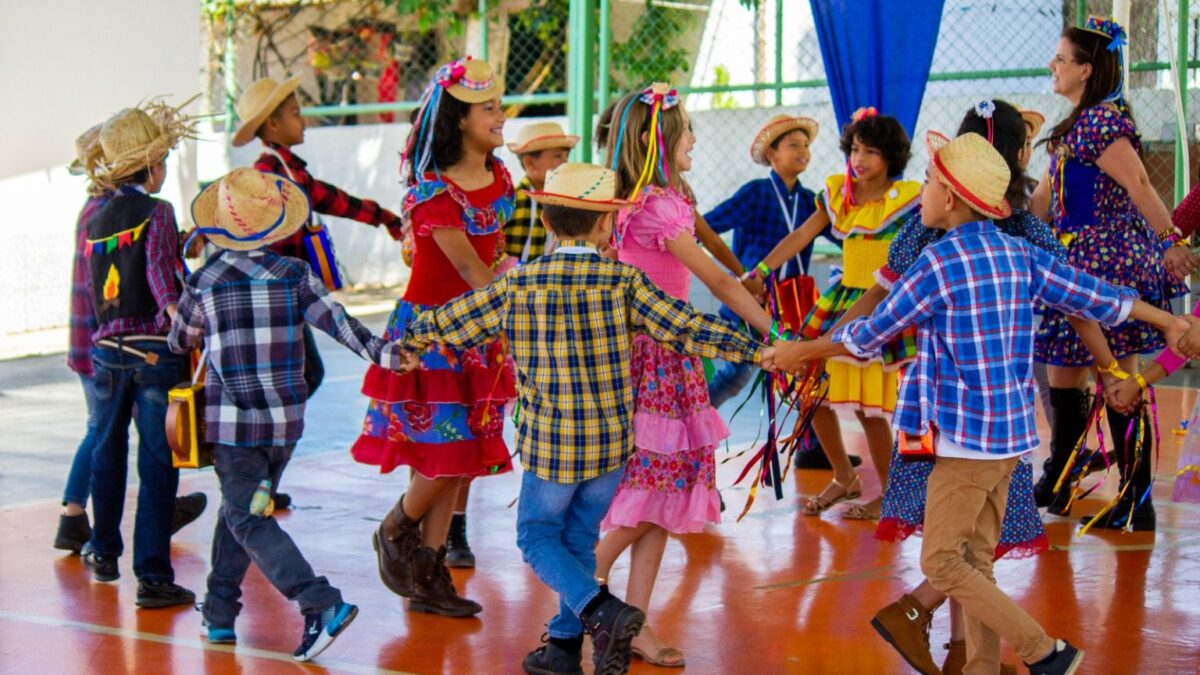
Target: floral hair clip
451,73
660,92
985,109
863,113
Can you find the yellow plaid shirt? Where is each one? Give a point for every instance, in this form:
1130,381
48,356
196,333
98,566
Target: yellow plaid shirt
570,319
523,226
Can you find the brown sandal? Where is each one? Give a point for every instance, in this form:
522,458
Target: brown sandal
665,658
861,511
816,505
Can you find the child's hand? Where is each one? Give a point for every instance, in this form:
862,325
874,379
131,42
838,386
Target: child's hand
1123,396
791,356
755,288
408,362
768,360
195,246
1185,342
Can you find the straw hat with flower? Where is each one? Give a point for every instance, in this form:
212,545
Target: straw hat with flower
469,80
136,138
542,136
972,169
778,126
257,103
580,186
248,209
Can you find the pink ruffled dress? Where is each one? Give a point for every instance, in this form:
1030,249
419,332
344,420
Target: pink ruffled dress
670,479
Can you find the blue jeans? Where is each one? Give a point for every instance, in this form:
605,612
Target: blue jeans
126,384
558,525
729,380
242,537
314,368
79,480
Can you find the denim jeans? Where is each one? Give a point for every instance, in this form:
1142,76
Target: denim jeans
314,368
558,525
79,479
127,388
729,380
242,537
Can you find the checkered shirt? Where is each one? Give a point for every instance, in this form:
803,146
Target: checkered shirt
971,296
251,308
522,226
82,322
570,319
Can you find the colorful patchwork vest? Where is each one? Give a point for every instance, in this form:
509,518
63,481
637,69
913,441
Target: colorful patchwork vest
117,258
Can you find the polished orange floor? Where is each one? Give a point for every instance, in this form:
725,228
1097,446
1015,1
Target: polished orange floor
775,593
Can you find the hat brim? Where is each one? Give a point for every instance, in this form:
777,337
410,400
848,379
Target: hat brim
297,211
249,125
495,90
552,199
1035,120
544,143
75,168
935,141
768,134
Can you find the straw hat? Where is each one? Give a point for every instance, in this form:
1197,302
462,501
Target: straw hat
136,138
87,151
257,103
972,169
248,209
1033,118
581,186
542,136
470,80
776,127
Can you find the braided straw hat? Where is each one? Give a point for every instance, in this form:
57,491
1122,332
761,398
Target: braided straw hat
257,103
580,186
542,136
1033,118
136,138
87,151
776,127
248,209
972,169
472,81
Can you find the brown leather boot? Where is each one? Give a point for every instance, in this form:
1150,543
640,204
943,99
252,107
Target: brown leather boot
956,660
905,625
433,589
395,540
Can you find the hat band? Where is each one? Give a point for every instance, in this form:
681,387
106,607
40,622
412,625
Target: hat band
257,236
962,191
475,85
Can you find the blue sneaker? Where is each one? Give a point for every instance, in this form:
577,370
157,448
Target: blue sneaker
320,630
217,635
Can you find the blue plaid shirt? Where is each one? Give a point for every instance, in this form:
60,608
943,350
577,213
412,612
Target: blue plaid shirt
251,308
971,296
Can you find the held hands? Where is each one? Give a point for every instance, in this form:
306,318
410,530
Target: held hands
1123,396
754,286
1180,261
768,360
1184,337
790,356
408,362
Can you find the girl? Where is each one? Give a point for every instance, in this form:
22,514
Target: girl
865,208
1116,228
444,419
668,484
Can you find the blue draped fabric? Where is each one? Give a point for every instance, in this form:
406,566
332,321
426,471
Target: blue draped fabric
877,53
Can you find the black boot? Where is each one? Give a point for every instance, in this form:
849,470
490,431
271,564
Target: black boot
556,657
1071,409
73,532
458,549
1134,457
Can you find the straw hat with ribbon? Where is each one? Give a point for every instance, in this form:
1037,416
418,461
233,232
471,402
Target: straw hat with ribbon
580,186
972,169
87,151
249,209
470,80
778,126
542,136
1033,118
136,138
257,103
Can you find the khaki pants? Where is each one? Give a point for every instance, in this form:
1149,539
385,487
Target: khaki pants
964,507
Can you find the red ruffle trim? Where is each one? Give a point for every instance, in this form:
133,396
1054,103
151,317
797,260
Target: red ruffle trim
479,457
895,531
440,386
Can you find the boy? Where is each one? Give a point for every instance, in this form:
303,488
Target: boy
570,318
972,294
540,148
132,254
247,303
270,111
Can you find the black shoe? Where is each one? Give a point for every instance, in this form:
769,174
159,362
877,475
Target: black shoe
458,549
1064,660
1144,518
320,630
550,659
157,594
187,509
73,533
613,625
103,567
282,501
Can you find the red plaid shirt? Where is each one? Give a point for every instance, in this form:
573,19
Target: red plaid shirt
325,198
1187,214
83,316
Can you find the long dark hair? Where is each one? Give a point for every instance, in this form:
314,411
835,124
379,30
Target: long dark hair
1091,48
447,137
1008,137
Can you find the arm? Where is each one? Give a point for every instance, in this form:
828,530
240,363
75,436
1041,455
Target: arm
457,247
470,320
188,326
717,246
671,321
914,299
162,257
332,200
1187,215
1093,338
1039,203
1123,395
330,317
727,289
798,240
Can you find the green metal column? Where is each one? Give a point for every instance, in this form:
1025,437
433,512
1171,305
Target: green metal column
1181,130
581,79
604,82
1080,12
229,64
778,52
483,29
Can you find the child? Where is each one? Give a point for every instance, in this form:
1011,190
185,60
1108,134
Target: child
668,484
132,251
247,304
540,147
445,419
571,318
270,111
865,207
970,387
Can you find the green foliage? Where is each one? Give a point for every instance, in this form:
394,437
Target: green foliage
430,14
647,55
721,79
